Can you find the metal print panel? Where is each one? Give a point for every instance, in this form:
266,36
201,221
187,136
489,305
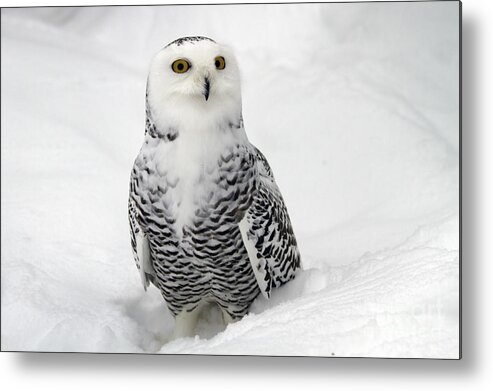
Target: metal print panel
267,179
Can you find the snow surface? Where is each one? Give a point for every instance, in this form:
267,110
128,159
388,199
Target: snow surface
356,106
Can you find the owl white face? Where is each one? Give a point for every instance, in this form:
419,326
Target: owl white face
195,73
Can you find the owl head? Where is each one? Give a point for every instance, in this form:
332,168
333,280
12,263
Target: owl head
194,73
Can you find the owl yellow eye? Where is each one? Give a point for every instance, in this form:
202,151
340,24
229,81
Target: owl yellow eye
180,66
219,62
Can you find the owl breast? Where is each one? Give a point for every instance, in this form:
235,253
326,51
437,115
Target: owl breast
190,203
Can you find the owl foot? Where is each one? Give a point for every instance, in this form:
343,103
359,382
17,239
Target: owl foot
185,323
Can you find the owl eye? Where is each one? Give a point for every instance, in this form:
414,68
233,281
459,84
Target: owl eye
180,66
220,62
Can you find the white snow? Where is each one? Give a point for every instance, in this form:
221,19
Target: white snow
356,106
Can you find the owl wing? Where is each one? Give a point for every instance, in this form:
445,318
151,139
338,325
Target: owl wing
140,245
267,233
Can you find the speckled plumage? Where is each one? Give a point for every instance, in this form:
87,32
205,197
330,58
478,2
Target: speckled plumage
208,222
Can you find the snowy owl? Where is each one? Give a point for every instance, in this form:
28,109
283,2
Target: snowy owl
208,222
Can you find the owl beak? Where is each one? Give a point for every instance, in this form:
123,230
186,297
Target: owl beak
207,88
